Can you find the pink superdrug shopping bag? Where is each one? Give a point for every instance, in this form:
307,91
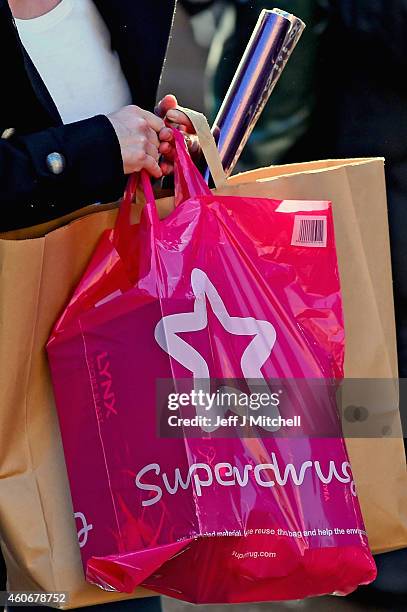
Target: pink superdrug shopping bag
237,290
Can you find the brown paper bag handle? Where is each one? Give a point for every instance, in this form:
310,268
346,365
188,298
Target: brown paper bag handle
208,145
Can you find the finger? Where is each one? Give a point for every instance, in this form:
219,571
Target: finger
152,167
170,155
152,151
176,126
153,121
169,101
166,135
177,116
153,138
167,168
165,148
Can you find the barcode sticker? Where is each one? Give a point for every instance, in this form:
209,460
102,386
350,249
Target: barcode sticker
309,231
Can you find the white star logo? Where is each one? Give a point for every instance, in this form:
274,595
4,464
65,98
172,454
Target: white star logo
253,357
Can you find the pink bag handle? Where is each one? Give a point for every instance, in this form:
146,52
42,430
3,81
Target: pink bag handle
189,183
121,230
150,207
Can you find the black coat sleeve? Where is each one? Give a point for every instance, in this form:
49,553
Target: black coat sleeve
31,193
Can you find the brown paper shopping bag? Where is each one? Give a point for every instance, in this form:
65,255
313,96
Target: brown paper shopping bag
357,191
37,528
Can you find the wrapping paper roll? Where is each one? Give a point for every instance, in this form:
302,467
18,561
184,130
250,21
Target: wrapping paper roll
269,48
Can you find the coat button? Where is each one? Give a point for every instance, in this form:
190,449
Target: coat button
8,133
55,163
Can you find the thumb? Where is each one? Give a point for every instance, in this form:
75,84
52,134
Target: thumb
167,103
